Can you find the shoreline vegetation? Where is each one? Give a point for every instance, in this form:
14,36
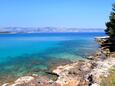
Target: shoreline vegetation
90,72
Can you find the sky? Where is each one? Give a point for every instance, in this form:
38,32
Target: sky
55,13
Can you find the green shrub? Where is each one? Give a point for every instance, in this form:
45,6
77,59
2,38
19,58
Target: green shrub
110,30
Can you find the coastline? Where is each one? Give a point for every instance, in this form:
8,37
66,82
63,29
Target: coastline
84,73
79,73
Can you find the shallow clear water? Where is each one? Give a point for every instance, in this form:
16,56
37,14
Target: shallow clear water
22,54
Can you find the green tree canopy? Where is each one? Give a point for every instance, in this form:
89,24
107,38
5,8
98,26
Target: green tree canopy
110,30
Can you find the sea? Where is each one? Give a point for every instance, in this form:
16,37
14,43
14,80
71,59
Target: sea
36,53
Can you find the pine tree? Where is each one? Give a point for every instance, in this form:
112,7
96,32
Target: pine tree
110,30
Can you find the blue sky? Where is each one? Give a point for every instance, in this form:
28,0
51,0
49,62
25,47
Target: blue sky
56,13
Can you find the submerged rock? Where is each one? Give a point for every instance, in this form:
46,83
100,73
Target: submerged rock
52,76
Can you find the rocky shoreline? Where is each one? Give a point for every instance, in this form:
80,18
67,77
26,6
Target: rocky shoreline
87,73
80,73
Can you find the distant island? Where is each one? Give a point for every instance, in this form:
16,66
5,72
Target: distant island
46,29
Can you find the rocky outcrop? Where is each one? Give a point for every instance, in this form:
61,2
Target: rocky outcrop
33,81
102,69
74,74
86,73
102,40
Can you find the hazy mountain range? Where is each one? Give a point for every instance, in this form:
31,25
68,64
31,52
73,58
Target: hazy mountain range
47,29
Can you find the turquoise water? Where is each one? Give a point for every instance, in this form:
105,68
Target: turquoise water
22,54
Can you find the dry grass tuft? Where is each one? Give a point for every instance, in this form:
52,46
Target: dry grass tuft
110,80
